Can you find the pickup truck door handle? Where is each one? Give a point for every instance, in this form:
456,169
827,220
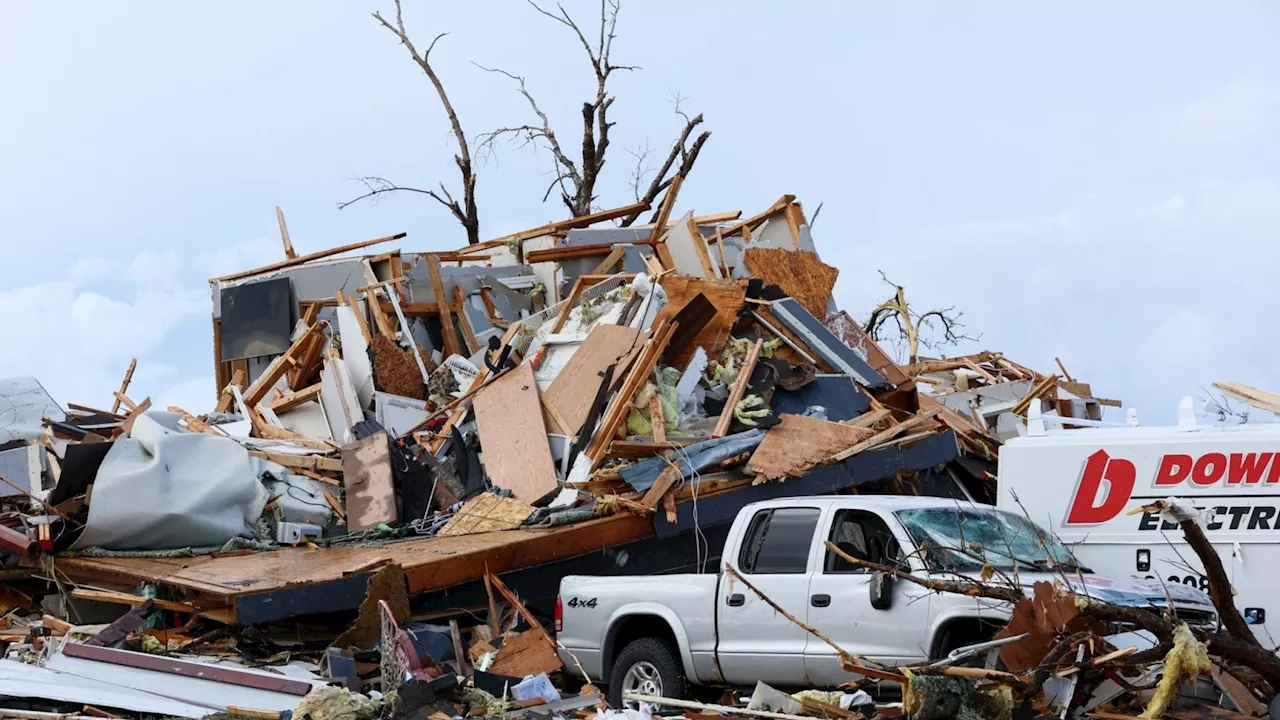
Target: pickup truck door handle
820,600
736,600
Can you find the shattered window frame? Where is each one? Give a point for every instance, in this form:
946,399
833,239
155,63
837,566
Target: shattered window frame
965,539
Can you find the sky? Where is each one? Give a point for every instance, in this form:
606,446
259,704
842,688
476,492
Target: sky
1094,181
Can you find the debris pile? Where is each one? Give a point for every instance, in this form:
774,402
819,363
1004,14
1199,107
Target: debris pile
408,450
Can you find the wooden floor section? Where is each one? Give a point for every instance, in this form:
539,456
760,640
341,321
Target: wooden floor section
216,583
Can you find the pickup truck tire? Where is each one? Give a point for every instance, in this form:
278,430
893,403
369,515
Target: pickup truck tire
649,666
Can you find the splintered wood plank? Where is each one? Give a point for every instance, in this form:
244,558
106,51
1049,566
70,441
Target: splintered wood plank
370,486
798,273
308,258
738,390
487,513
447,331
526,654
124,386
798,443
289,253
574,389
728,297
517,455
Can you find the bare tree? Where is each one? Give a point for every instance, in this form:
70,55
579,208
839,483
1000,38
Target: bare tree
577,179
915,329
465,211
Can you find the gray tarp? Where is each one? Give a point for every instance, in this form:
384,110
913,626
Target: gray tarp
162,488
691,459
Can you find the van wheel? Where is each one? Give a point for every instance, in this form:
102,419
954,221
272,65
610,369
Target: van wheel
648,666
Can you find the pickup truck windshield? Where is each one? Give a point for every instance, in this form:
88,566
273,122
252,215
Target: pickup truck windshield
964,539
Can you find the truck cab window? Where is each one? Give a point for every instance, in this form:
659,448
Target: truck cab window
861,535
778,541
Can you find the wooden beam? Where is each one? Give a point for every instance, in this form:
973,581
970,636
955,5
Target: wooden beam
320,255
664,213
739,387
656,419
226,398
1063,368
124,386
284,235
288,402
315,463
561,253
468,333
611,260
451,344
258,390
121,398
117,598
751,222
561,226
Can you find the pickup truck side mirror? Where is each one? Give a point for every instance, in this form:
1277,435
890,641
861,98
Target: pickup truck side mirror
882,590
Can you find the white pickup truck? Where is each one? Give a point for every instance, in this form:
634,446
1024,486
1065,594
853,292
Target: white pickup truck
657,634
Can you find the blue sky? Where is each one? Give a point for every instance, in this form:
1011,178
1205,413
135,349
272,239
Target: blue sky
1096,181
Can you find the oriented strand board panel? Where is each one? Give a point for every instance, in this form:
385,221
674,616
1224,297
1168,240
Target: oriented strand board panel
799,443
574,389
798,273
727,295
487,513
528,653
371,488
513,438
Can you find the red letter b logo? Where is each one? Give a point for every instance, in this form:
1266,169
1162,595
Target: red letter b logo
1087,508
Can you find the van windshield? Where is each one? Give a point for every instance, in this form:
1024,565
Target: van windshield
966,538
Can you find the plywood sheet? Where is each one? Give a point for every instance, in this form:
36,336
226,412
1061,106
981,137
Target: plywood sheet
528,653
487,513
513,438
799,443
727,295
574,389
798,273
371,490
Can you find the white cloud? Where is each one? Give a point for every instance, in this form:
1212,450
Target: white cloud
78,333
194,395
1164,209
1236,110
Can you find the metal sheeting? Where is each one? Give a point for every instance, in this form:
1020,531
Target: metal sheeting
20,680
692,459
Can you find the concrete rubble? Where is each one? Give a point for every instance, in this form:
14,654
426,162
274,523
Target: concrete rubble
406,451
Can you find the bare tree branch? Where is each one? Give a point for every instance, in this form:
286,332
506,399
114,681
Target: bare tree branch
465,212
680,149
910,323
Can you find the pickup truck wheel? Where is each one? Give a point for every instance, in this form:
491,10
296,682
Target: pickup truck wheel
648,666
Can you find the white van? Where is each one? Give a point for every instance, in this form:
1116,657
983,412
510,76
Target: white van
1082,483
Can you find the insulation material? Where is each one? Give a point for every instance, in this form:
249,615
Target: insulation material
200,490
1187,659
797,273
395,370
798,443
